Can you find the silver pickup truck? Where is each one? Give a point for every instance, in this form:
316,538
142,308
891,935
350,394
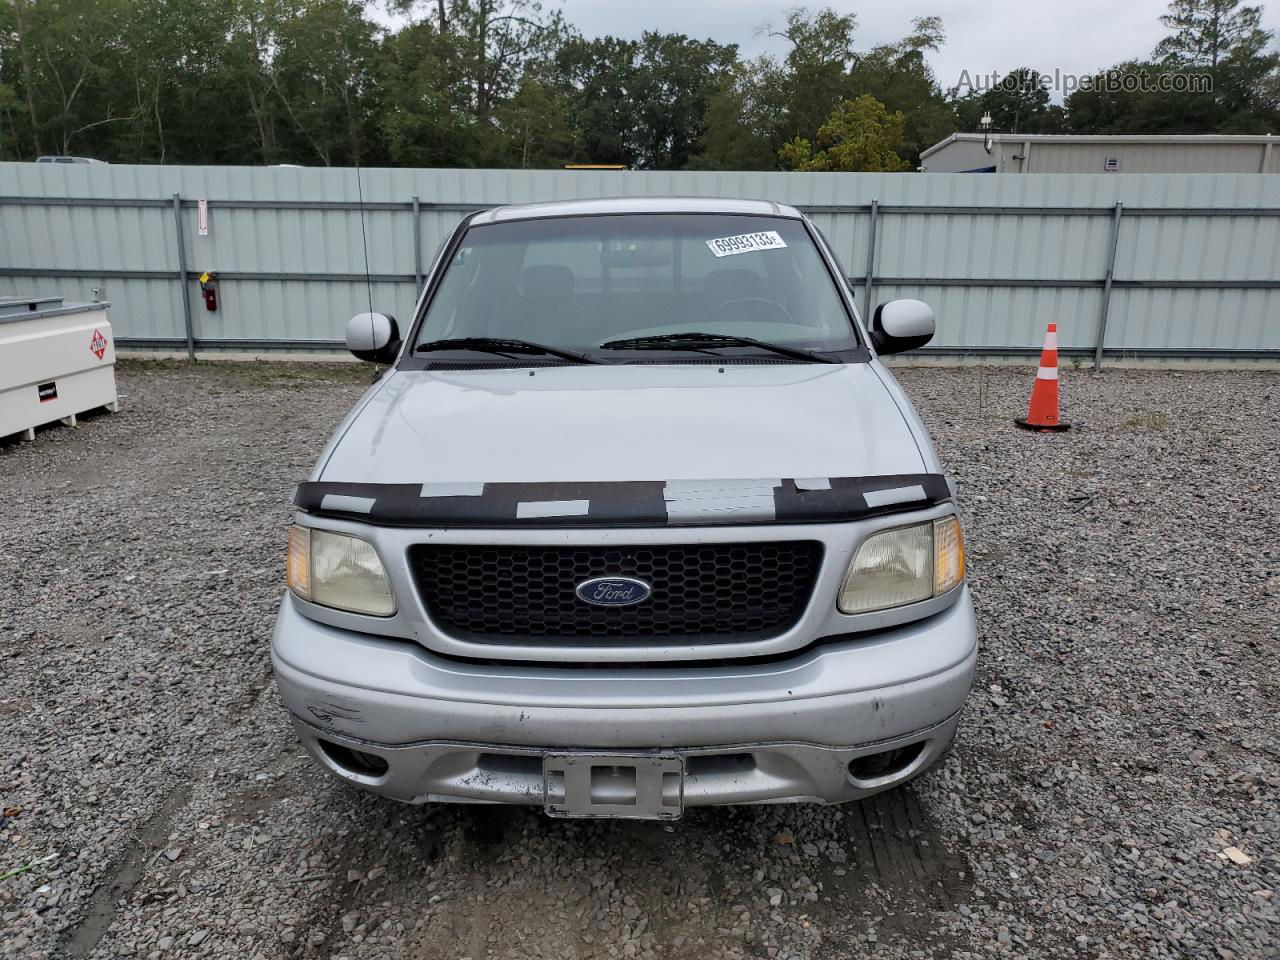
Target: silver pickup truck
635,520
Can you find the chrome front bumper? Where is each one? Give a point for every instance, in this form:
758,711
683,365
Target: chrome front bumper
778,731
456,772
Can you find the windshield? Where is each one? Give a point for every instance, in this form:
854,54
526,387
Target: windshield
581,282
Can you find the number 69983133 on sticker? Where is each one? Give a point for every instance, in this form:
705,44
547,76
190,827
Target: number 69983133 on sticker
746,243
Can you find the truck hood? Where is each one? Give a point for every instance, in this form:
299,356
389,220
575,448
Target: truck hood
618,423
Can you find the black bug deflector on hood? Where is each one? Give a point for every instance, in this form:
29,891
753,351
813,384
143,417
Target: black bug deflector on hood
629,503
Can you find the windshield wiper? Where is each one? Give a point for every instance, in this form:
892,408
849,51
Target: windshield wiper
503,347
697,341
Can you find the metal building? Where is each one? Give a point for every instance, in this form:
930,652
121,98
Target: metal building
1044,153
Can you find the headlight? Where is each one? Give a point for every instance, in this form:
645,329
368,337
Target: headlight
904,565
338,571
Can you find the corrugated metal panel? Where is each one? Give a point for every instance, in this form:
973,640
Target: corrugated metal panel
72,242
1145,158
1005,316
1197,319
148,308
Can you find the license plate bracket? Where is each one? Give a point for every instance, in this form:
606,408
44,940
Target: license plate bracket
638,786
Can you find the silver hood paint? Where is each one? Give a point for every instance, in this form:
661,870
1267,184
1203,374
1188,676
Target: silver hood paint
618,423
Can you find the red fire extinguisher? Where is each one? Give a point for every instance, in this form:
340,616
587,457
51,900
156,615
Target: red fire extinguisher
209,287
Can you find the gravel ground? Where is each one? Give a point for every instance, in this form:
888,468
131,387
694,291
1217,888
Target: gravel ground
1119,750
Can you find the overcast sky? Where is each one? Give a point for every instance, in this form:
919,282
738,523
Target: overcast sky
1076,36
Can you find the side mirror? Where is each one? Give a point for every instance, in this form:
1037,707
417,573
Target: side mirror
373,337
901,325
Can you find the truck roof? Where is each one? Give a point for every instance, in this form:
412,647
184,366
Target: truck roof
617,205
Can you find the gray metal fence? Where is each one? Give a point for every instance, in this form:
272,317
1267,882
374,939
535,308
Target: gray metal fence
1126,265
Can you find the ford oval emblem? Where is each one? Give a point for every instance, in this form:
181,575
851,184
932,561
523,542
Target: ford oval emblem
613,591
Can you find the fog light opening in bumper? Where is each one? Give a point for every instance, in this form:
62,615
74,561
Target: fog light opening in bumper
353,761
886,764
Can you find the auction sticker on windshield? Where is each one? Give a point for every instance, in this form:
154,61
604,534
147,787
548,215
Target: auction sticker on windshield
746,242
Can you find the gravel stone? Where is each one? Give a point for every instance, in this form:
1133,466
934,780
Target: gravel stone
1120,739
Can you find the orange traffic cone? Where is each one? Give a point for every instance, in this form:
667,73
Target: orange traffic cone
1042,414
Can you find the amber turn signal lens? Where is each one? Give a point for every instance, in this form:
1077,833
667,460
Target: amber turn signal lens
948,554
298,562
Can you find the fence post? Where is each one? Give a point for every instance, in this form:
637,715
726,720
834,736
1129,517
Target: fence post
1106,286
868,281
182,277
417,247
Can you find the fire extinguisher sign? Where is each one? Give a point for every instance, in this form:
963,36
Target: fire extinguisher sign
98,345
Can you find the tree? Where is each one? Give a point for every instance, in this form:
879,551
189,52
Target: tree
537,126
817,66
766,103
498,39
69,60
1216,73
1226,41
599,78
742,128
1018,102
641,103
860,135
1247,88
15,32
245,70
174,75
426,117
322,74
898,75
675,80
510,83
1206,32
1107,107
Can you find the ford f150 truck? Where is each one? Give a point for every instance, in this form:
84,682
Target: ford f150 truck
636,520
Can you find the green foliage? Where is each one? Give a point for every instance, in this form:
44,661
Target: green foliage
322,75
1216,72
641,103
899,77
537,124
1206,32
743,128
598,82
768,103
860,135
1215,42
817,67
425,119
66,59
1107,110
676,78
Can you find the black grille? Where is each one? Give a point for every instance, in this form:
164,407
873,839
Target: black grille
715,592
